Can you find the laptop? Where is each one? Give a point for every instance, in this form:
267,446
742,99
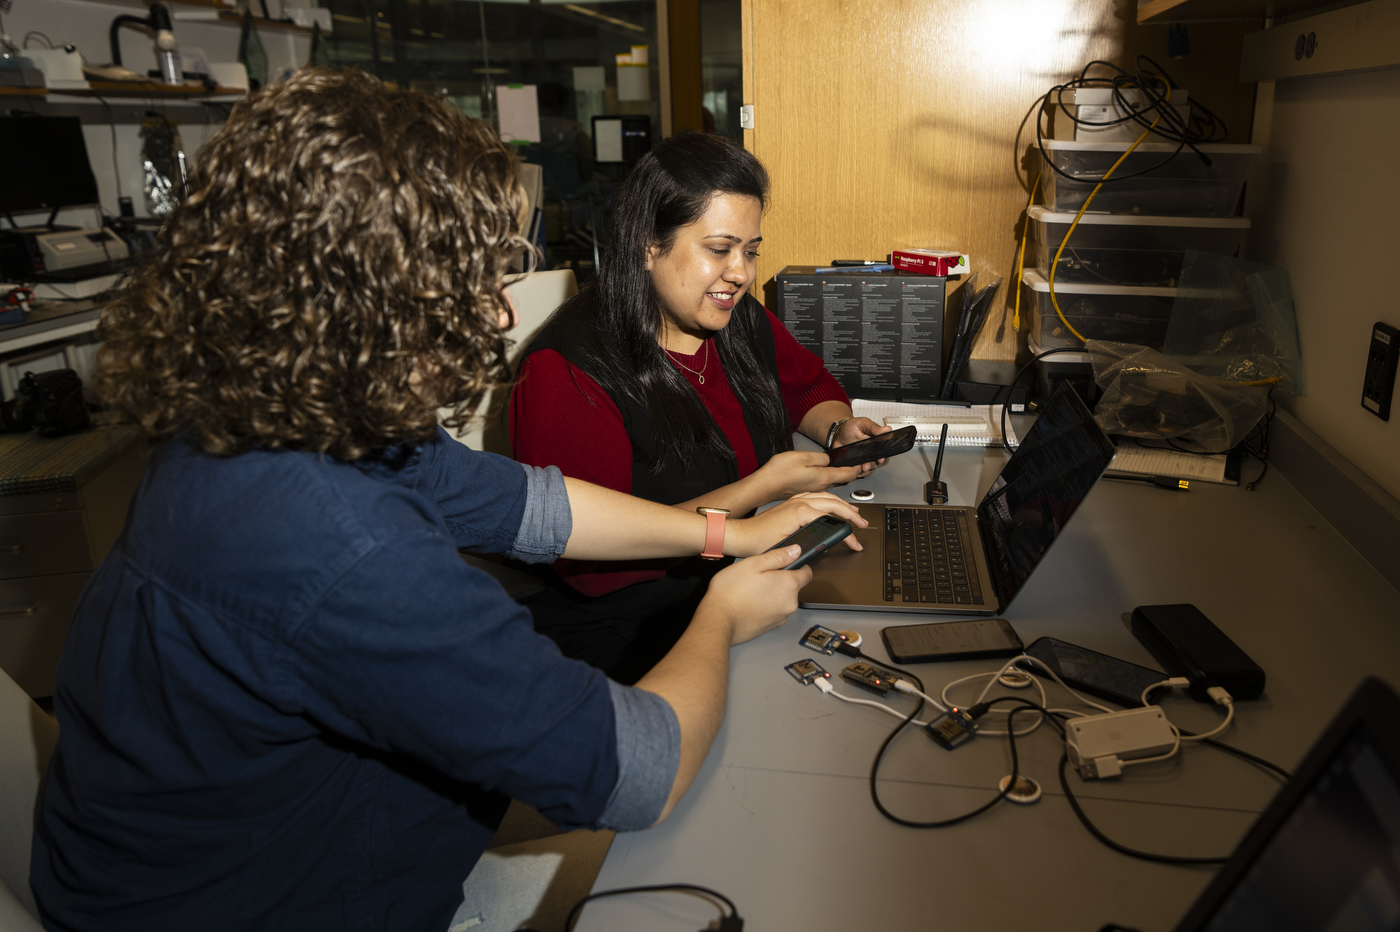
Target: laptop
960,560
1325,855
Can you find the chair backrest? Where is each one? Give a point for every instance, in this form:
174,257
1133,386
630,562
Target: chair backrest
27,739
535,296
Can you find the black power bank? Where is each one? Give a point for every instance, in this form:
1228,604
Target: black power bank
1187,643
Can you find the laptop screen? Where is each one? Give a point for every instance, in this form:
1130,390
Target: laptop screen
1334,863
1043,484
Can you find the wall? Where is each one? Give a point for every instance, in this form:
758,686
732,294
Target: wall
890,123
85,24
1329,216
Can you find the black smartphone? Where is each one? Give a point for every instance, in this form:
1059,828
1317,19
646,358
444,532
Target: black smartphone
951,640
1091,672
814,539
873,448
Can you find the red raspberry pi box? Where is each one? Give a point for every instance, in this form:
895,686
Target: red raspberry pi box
940,262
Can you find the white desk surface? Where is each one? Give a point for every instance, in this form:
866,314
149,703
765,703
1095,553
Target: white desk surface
780,817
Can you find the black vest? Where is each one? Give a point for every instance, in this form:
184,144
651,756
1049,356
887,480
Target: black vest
627,631
707,471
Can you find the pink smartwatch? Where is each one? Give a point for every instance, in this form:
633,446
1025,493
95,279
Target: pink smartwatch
714,532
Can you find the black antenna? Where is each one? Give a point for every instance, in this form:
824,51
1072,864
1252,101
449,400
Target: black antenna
936,490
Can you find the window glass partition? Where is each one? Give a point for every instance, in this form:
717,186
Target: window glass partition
593,67
721,66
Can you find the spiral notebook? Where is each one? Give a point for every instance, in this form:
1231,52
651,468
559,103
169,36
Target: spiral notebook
931,417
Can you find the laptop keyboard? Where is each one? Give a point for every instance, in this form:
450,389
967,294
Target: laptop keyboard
928,557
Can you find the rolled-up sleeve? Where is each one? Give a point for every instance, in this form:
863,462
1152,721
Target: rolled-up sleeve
648,756
548,520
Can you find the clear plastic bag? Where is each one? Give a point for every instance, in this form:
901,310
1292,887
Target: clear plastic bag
1147,395
1234,320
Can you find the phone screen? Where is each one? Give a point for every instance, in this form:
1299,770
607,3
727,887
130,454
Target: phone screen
951,640
873,448
1097,674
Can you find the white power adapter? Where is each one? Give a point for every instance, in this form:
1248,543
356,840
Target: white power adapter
1098,744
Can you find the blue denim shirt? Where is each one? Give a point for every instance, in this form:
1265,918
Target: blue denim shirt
285,701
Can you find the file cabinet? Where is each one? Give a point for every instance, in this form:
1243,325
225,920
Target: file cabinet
50,542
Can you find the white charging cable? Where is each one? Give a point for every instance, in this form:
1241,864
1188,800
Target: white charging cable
825,686
1012,666
1218,694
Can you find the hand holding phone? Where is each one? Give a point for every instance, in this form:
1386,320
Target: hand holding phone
814,539
873,448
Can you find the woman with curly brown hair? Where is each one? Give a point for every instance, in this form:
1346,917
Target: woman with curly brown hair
285,701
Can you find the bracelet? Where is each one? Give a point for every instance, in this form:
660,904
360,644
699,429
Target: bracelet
835,426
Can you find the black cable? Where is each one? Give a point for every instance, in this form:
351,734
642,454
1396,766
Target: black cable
1204,127
1005,402
24,43
1161,482
1243,755
850,650
732,921
1001,793
1121,848
1056,720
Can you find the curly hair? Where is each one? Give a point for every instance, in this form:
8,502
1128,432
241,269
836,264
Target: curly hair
333,277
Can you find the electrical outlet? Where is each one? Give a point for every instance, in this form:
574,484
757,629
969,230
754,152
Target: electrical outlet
1379,387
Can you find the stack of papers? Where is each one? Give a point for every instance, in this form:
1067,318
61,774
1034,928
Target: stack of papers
962,430
1133,460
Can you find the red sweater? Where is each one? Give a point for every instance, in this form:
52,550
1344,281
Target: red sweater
561,417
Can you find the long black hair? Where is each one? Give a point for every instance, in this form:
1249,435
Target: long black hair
612,325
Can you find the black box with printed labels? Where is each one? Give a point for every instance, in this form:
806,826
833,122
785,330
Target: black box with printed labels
881,334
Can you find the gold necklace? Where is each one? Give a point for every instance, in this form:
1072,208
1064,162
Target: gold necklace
700,374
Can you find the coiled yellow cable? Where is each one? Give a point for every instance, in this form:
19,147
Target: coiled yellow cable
1021,265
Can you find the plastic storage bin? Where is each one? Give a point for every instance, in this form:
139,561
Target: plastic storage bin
1075,368
1100,312
1182,187
1122,249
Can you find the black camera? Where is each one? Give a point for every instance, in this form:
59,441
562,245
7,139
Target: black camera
49,402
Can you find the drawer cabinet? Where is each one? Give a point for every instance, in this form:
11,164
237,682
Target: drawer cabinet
34,617
49,546
43,544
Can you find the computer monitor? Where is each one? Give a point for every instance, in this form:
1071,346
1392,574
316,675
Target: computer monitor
1325,855
44,163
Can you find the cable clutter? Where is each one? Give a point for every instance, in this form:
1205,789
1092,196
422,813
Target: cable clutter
1099,742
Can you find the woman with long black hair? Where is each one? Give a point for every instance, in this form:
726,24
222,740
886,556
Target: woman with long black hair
667,379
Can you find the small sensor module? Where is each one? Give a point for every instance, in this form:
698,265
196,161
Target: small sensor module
822,640
806,671
952,729
869,677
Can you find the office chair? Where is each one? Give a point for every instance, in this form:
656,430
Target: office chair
536,296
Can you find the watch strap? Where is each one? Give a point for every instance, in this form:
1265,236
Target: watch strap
714,535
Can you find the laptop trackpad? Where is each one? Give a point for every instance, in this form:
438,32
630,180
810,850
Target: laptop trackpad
842,575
